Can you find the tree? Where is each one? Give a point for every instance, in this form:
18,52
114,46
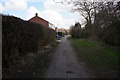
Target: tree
102,19
75,30
108,22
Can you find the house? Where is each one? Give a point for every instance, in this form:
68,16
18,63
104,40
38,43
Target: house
37,19
61,32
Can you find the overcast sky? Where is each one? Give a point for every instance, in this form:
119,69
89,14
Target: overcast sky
58,14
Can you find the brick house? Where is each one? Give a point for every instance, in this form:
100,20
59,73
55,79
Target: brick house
37,19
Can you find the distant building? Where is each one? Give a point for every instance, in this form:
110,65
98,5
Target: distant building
61,30
37,19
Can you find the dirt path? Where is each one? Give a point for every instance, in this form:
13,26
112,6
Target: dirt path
65,64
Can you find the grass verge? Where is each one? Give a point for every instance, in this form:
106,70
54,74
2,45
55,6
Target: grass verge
98,56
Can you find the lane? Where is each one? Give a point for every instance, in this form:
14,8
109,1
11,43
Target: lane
65,64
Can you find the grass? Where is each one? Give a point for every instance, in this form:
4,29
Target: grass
98,55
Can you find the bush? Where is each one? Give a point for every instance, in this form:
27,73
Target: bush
75,32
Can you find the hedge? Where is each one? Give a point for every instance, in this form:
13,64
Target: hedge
20,37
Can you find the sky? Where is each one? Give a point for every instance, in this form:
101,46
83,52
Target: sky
58,14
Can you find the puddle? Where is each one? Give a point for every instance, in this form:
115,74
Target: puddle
69,72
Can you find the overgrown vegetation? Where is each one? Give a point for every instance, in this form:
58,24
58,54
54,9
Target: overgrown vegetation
102,21
101,31
32,67
21,37
99,56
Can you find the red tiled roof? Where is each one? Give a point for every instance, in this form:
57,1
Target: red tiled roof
61,29
39,20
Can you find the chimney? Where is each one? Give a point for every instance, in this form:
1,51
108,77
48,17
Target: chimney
36,14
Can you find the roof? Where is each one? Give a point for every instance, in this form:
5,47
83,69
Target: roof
61,29
42,21
37,17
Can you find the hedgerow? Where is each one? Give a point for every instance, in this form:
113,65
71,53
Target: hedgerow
20,37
